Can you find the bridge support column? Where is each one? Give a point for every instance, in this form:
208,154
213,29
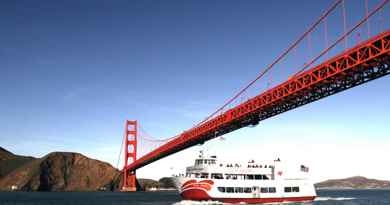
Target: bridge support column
129,177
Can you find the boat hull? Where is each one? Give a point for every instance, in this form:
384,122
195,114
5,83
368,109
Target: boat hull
201,195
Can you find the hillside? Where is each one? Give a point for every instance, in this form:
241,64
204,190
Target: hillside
357,182
60,171
64,171
10,161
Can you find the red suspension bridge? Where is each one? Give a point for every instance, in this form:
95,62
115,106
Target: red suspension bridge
366,61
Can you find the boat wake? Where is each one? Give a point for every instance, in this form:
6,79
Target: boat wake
333,198
189,202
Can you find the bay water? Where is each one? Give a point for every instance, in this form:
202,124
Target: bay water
325,197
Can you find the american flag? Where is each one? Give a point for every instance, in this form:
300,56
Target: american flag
304,168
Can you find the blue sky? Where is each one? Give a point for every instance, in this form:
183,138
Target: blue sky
72,72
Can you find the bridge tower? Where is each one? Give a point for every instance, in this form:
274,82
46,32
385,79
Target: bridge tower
130,154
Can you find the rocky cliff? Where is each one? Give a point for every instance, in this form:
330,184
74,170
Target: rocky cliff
357,182
57,171
10,162
64,171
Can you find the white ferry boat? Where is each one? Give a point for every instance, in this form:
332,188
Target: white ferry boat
251,182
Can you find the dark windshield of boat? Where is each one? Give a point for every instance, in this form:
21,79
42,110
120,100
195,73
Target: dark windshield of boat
204,161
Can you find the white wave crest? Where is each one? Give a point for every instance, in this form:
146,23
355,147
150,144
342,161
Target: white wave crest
333,198
188,202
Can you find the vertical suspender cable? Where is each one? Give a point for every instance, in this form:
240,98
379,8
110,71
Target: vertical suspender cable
381,21
368,22
326,33
379,7
120,153
344,23
279,58
269,81
358,37
309,45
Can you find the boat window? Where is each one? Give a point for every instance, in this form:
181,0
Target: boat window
216,176
268,190
247,190
231,176
188,175
265,177
235,189
257,177
249,176
221,189
229,189
198,162
287,189
204,175
197,175
295,189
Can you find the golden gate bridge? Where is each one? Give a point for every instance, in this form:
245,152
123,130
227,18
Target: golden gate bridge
367,60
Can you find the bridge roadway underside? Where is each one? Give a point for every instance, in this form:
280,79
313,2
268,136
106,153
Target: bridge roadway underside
361,72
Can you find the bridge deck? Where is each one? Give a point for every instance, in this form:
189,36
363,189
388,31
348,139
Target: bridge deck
360,64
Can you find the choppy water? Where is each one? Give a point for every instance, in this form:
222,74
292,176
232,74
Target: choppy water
326,197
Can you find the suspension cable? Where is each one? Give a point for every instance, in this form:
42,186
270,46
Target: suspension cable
120,153
327,12
379,7
150,138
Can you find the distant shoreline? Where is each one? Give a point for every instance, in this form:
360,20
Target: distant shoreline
347,189
353,183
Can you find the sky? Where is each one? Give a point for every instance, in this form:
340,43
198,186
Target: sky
72,72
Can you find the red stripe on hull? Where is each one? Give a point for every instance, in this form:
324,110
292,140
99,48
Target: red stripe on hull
188,182
265,200
201,195
195,194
